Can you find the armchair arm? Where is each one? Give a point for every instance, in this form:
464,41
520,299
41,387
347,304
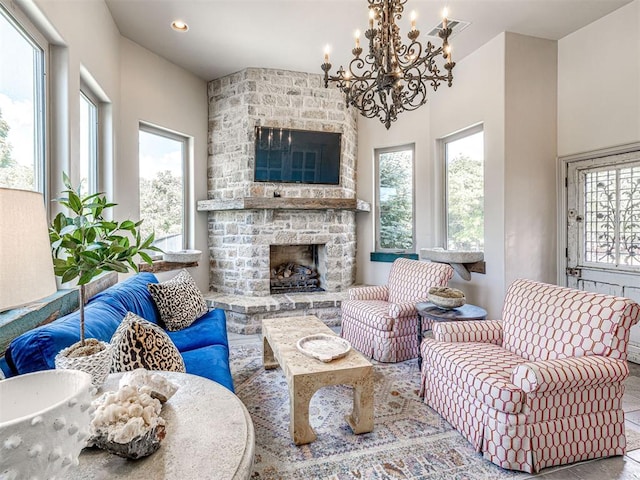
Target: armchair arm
375,292
560,374
404,309
482,331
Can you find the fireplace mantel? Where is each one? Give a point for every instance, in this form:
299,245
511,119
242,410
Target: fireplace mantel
284,203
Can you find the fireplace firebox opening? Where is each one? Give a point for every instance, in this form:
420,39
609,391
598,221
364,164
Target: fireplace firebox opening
297,268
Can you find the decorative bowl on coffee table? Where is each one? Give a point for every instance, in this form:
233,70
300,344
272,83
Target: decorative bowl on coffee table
324,347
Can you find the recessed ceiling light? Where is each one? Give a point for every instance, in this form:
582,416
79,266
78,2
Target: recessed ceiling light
179,26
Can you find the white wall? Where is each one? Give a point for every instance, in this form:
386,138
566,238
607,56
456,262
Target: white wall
156,91
140,86
83,36
411,127
509,86
599,83
530,159
478,96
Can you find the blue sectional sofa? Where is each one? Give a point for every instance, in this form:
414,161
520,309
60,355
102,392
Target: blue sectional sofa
203,345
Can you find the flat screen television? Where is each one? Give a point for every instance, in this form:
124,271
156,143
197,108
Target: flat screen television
297,156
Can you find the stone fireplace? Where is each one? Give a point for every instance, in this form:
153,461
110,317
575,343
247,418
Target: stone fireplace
251,222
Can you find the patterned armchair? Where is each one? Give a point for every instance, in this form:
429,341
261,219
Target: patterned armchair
382,321
541,387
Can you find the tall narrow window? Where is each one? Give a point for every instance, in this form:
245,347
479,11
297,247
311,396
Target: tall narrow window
22,90
162,158
464,178
88,145
395,199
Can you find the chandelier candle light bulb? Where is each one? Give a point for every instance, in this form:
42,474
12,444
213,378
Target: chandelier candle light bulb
392,77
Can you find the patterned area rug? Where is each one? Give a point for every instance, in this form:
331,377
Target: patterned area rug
409,441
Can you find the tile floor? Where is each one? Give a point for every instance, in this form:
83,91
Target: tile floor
614,468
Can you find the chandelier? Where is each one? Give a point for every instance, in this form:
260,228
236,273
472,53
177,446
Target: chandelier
392,77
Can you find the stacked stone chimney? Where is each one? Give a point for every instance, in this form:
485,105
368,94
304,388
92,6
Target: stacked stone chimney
245,218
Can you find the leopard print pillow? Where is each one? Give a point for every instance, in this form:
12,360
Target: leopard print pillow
138,343
179,301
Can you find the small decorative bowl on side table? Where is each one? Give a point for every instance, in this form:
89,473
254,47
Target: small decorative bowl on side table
446,298
435,313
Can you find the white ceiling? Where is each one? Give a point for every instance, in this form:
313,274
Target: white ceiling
226,36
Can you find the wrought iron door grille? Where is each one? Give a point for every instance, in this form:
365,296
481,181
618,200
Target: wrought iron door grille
612,216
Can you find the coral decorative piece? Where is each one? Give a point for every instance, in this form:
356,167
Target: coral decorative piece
161,388
44,423
128,422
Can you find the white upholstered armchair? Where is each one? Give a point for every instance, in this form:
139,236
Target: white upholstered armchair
382,321
543,385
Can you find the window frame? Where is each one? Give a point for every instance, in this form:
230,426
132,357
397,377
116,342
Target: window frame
28,30
187,148
377,153
442,149
93,180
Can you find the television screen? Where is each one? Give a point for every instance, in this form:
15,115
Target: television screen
297,156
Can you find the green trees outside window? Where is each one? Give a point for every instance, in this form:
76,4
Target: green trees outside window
465,191
395,202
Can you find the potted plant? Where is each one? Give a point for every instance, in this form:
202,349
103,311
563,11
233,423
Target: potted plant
84,245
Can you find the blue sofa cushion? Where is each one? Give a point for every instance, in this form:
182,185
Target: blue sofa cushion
210,329
211,362
132,295
36,349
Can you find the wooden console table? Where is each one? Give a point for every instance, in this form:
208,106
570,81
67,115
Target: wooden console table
209,435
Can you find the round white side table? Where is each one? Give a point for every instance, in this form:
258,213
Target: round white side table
209,435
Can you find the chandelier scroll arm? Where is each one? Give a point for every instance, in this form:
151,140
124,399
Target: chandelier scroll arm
393,76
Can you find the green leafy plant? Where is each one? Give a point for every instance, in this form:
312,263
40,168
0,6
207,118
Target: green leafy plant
85,244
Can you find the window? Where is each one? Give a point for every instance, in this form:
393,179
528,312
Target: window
611,213
88,145
464,190
394,199
22,91
163,160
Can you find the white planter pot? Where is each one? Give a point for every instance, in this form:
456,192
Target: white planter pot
97,365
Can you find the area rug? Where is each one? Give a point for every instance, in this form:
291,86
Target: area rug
409,441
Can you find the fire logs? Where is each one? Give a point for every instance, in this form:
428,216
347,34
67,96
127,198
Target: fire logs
293,277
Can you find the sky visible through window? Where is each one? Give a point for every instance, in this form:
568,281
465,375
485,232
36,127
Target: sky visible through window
158,154
17,92
471,146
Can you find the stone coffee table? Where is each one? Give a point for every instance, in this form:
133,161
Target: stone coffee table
305,375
